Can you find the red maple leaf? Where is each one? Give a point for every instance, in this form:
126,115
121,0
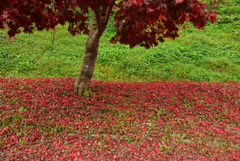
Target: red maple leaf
25,3
8,20
179,1
5,15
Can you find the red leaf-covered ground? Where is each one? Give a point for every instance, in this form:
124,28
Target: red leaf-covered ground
41,119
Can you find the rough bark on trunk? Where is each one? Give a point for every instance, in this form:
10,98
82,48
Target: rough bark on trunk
6,32
98,25
89,58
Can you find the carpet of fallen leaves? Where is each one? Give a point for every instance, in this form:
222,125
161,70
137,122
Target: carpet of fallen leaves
41,119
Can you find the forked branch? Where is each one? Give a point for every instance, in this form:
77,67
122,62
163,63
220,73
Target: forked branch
105,22
99,20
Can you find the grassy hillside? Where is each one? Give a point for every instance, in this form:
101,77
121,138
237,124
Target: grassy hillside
212,54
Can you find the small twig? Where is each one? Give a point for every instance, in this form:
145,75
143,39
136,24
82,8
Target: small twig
53,36
147,132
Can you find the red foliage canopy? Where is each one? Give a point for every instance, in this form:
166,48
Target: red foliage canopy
138,22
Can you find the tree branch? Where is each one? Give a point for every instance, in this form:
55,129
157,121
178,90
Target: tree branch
99,20
105,22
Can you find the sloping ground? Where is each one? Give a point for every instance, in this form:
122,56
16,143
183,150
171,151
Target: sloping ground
41,119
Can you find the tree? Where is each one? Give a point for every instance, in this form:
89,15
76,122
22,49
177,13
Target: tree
137,22
6,32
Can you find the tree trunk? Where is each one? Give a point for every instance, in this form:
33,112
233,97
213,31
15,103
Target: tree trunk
53,36
89,58
6,32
